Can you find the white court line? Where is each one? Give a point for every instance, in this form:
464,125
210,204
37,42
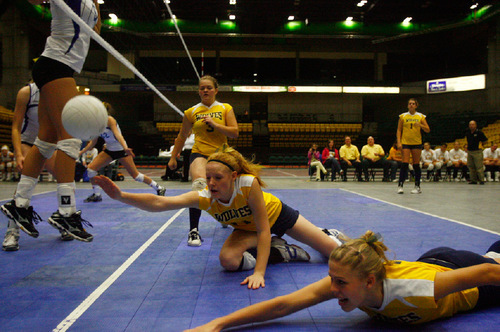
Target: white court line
286,173
72,317
426,213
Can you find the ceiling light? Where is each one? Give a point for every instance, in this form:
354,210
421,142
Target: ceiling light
101,2
407,20
232,2
474,6
113,17
291,18
362,3
232,17
349,19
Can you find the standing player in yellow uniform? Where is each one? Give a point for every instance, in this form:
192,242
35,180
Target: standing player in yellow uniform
234,197
212,123
440,284
409,139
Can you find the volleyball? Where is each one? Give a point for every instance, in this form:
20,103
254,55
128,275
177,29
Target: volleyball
84,117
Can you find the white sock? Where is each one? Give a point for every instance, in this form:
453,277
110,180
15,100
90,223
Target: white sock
97,190
492,254
66,198
24,191
248,261
154,185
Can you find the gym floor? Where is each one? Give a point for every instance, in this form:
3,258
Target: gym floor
139,274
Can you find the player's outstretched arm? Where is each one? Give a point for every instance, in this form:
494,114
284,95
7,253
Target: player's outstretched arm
468,277
148,202
278,307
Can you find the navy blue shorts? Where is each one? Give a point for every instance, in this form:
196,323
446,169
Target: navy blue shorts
455,259
413,146
193,156
116,154
286,220
47,70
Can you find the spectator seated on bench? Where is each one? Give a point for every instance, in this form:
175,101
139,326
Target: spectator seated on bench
349,157
373,157
315,162
330,158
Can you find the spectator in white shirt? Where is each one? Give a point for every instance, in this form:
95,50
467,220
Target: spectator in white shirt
442,160
428,160
491,161
459,160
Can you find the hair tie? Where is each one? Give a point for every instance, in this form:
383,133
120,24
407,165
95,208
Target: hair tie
222,162
374,238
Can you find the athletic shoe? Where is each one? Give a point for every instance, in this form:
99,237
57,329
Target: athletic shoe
400,190
161,191
11,240
194,238
93,198
24,218
290,252
416,190
72,225
335,234
65,236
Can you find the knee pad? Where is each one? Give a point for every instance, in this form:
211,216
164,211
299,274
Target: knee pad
139,177
46,149
410,167
438,165
430,167
91,173
199,184
70,146
9,164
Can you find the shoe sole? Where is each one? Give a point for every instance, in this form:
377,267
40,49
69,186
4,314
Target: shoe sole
194,244
76,237
10,248
11,217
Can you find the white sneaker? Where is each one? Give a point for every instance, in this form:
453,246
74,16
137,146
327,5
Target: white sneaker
416,190
194,238
400,190
335,235
11,240
290,252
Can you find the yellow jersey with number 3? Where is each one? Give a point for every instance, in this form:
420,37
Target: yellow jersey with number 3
411,134
207,139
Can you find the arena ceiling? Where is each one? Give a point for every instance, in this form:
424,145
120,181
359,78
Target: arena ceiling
267,16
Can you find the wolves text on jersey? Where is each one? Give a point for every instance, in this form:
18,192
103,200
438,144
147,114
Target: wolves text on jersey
233,213
214,115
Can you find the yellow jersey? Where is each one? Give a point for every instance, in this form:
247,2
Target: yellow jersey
350,153
411,134
207,139
368,151
409,295
237,213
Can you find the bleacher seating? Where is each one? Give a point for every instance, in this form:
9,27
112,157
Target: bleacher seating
5,126
492,132
303,135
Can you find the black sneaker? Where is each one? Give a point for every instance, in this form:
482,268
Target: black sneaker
24,218
72,225
161,191
93,198
65,236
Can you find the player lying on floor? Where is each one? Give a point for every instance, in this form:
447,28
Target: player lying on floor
233,196
442,282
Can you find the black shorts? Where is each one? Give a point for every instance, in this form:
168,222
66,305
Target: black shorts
26,143
115,154
286,220
47,70
413,146
455,259
193,156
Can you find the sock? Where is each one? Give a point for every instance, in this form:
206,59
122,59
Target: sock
66,198
403,173
24,191
247,262
418,174
154,185
97,190
194,218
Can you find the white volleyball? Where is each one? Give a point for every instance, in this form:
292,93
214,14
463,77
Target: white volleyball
84,117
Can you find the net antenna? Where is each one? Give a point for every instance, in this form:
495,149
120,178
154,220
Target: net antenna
174,19
61,4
